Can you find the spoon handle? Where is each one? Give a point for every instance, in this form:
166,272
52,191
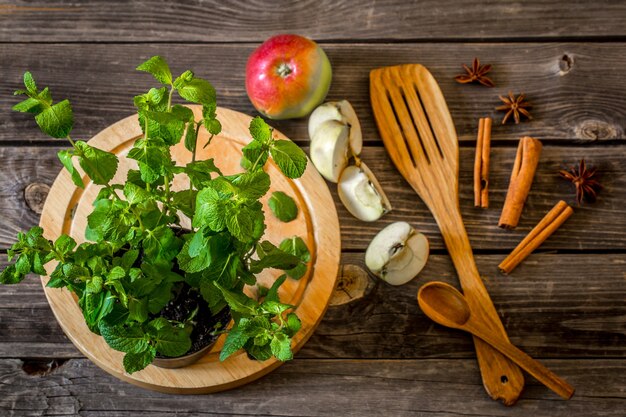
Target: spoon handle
530,365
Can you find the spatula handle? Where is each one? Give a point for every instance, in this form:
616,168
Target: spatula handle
533,367
502,379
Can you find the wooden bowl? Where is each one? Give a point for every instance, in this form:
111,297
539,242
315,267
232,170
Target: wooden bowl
67,207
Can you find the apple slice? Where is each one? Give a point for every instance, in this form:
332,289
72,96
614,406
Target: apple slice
330,149
341,111
361,193
397,253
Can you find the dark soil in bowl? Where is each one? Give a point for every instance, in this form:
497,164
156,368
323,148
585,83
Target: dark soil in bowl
207,326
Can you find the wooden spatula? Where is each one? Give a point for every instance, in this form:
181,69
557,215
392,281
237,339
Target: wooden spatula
418,132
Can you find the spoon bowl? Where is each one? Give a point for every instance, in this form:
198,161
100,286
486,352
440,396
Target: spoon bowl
444,304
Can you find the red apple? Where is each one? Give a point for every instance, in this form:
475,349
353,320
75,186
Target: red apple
287,76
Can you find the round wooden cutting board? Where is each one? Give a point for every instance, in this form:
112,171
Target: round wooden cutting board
317,223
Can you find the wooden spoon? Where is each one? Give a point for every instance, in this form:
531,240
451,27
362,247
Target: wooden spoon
445,305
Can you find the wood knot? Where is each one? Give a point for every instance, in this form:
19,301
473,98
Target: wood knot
565,64
35,195
598,130
354,283
41,367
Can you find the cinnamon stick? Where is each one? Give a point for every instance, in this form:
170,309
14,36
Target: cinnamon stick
548,225
524,169
481,163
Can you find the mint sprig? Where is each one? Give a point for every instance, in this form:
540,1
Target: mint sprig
139,256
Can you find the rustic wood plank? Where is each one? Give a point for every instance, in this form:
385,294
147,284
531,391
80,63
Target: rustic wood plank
225,21
317,388
577,89
553,306
589,227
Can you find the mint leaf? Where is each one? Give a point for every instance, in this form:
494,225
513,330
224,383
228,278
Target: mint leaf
255,156
239,222
293,323
154,161
138,309
200,171
252,185
283,206
296,246
135,194
194,89
169,340
260,131
57,120
191,137
161,244
211,209
134,362
272,257
64,244
281,347
125,338
157,66
289,157
29,83
65,157
272,293
238,301
30,105
235,340
98,164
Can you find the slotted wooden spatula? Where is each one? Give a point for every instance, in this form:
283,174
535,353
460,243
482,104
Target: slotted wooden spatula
418,132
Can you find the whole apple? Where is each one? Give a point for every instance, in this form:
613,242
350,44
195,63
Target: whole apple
287,76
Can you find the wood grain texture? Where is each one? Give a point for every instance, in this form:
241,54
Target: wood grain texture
598,226
67,208
225,21
568,306
577,89
359,388
419,135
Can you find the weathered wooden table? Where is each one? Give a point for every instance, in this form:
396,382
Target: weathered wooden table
375,354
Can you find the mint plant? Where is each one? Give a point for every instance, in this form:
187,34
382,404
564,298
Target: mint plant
138,257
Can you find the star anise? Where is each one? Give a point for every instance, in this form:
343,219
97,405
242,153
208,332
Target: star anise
514,106
582,177
475,74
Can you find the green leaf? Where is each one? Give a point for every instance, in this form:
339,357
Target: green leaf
273,307
293,323
211,209
283,206
272,293
30,105
154,161
98,164
64,244
252,185
191,137
167,126
260,131
10,275
289,157
185,201
157,66
94,285
125,338
238,301
272,257
138,309
198,253
239,222
235,340
194,89
56,120
134,362
169,340
296,246
29,83
161,244
65,156
135,194
254,153
281,347
200,171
